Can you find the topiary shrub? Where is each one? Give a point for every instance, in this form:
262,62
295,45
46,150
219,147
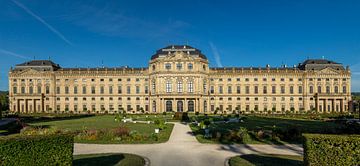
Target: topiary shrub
37,150
324,149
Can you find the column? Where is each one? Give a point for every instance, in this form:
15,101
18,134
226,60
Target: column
34,105
317,104
26,105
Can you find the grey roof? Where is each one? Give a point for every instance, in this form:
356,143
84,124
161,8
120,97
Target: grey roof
39,63
319,64
174,48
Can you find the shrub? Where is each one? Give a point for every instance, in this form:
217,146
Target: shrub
121,131
36,150
164,113
183,116
331,149
197,113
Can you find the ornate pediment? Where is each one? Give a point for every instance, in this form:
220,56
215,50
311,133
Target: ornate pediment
328,70
178,56
30,71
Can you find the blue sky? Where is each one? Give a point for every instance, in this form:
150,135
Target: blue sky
231,33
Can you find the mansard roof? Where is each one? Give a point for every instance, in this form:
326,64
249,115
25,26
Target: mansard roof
41,65
183,48
319,64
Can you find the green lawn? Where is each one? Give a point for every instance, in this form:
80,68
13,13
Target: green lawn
106,122
108,160
265,160
254,123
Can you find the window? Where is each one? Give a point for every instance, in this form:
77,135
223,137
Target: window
328,89
264,89
229,90
84,89
47,89
168,87
247,89
311,89
14,90
137,79
39,89
256,89
101,80
291,89
153,86
221,89
273,89
179,66
57,90
300,89
344,89
137,89
119,90
167,66
66,90
75,90
190,66
255,79
31,89
93,90
146,89
190,87
264,79
212,89
101,89
128,89
110,90
319,89
110,79
179,87
204,86
336,89
229,79
282,89
238,89
237,79
273,79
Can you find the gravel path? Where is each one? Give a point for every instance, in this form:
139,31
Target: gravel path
183,149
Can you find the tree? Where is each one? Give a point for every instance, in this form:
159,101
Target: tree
4,102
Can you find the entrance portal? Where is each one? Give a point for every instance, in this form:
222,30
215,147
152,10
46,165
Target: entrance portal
180,106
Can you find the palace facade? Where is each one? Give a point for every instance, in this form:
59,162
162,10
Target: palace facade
179,78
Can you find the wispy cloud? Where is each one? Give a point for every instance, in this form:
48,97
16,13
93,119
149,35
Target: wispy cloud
107,19
6,52
216,54
51,28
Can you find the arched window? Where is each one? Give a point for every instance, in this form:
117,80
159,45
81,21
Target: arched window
190,106
180,87
168,106
336,89
154,106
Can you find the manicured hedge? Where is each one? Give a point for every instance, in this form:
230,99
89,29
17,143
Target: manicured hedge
37,150
321,149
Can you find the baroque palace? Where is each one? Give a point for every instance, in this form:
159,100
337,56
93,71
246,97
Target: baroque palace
179,78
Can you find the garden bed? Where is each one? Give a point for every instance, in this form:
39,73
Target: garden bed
265,160
108,159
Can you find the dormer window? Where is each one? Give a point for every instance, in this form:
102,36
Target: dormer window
190,66
167,66
179,66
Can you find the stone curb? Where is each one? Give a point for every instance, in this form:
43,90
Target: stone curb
147,161
226,163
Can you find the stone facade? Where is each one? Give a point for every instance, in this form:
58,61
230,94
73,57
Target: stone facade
179,78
